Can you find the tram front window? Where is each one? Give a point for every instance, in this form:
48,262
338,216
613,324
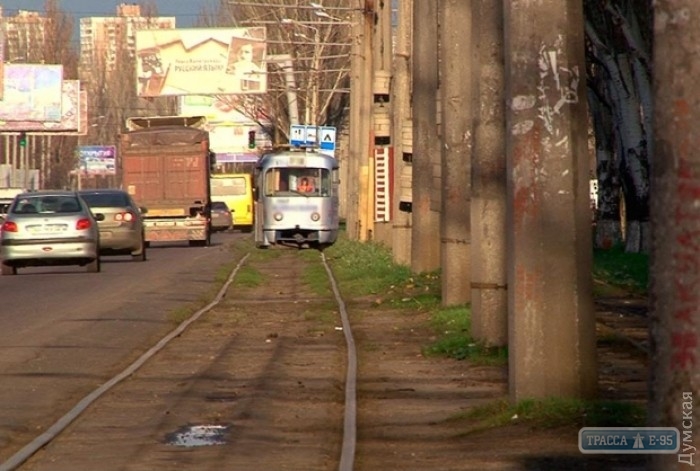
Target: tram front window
298,182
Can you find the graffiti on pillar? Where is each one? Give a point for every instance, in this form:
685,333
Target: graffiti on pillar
556,87
558,84
686,274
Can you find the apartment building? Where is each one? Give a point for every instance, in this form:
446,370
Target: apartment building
24,37
104,40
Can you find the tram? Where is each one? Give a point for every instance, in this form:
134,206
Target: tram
296,199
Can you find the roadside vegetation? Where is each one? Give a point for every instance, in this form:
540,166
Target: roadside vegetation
617,270
367,270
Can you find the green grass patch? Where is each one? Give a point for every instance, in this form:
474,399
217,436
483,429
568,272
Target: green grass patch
315,273
365,267
618,269
554,413
249,276
454,339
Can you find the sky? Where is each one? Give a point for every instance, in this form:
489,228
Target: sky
185,11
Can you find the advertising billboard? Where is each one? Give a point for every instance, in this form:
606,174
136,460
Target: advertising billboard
33,92
217,109
97,160
71,114
200,61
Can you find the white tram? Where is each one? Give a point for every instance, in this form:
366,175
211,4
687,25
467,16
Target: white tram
296,199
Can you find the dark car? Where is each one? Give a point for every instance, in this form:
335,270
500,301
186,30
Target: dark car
121,231
221,217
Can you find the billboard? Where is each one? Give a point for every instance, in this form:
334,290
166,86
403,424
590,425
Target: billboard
217,109
200,61
97,160
33,92
72,110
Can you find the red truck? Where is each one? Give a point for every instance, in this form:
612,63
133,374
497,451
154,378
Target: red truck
166,164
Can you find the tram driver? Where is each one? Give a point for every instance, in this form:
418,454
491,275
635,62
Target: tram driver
305,185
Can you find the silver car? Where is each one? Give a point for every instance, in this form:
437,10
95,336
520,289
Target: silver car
121,229
48,228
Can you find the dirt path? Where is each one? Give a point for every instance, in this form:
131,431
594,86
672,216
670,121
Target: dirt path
271,370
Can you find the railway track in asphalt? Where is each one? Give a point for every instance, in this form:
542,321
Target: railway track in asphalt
261,377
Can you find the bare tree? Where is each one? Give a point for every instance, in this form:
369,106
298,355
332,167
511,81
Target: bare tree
308,49
58,48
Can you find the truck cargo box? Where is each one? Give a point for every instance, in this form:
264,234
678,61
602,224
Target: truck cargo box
166,168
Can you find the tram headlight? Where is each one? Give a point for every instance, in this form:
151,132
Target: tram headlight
277,216
315,217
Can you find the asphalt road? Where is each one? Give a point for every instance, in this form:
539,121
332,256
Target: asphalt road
64,332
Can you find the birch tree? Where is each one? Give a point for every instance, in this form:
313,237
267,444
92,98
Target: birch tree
619,73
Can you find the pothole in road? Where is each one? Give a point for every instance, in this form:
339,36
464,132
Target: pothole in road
198,435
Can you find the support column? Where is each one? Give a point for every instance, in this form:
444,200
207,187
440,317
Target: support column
425,234
401,111
359,61
551,319
488,215
675,224
457,73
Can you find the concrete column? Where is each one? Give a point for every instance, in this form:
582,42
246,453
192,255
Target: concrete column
551,319
488,214
425,234
358,62
675,226
457,70
401,111
365,195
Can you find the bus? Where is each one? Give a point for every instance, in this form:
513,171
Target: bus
236,190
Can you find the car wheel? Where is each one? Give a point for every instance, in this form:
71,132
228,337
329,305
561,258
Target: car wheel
94,266
140,256
8,270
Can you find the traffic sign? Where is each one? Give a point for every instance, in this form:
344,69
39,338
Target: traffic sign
297,135
327,138
311,135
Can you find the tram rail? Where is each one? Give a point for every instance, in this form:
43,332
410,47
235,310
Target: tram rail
270,367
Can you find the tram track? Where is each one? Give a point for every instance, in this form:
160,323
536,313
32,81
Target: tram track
267,368
276,374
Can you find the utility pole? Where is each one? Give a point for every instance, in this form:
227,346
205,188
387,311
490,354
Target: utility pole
458,79
401,123
551,322
675,225
488,216
425,234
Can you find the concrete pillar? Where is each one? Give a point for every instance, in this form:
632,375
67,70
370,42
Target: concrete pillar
425,234
675,226
401,112
457,46
360,124
488,214
551,319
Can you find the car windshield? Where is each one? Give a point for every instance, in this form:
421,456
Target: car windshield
219,206
43,204
105,200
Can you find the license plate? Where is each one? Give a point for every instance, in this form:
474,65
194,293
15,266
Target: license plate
47,228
